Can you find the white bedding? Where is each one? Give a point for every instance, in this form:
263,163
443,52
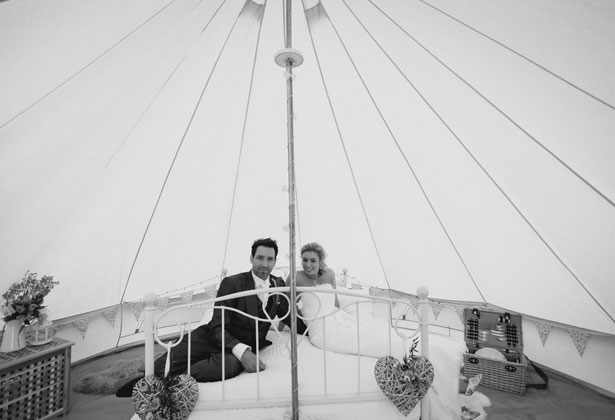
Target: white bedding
275,382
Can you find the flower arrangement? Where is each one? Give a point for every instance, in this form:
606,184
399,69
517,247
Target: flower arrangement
24,299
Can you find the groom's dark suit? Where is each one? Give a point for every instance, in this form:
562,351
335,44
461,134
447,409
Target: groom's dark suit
207,339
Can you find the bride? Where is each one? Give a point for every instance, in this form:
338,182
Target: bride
315,271
341,320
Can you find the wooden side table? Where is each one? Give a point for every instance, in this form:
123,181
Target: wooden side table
35,381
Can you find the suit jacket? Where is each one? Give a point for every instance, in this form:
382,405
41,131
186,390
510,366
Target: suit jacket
238,328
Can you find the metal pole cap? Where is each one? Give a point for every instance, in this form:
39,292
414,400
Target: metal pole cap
285,55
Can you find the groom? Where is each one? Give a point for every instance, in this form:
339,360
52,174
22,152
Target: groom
239,331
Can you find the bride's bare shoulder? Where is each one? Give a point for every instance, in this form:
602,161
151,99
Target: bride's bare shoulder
329,275
302,279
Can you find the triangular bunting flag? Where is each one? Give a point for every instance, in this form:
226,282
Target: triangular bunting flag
82,325
414,301
393,294
162,302
110,314
543,331
460,310
436,307
375,291
187,296
137,308
211,291
580,339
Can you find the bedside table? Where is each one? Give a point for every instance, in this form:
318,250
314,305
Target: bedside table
35,381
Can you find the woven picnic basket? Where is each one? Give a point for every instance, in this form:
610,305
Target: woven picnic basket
503,366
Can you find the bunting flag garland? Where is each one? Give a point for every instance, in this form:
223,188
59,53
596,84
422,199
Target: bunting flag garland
82,325
543,331
137,308
580,339
110,315
436,307
162,302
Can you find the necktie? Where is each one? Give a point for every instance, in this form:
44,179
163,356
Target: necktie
263,296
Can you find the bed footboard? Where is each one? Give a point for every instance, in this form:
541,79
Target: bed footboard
358,305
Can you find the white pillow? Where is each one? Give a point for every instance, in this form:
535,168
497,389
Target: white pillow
338,333
340,327
350,304
346,299
382,310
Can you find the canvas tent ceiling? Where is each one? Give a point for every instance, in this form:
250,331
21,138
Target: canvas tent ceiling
466,146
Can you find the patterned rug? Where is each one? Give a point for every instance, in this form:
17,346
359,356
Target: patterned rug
107,381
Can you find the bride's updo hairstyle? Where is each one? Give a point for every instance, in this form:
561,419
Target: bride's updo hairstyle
320,251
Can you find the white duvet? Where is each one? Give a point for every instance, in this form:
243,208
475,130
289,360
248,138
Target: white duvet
343,370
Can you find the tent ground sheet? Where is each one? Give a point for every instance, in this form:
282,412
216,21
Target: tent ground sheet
564,400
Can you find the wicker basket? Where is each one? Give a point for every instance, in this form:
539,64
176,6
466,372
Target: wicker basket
501,332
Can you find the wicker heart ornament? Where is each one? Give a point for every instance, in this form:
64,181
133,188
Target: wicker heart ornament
405,384
171,398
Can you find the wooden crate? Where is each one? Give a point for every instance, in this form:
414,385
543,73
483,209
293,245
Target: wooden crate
500,332
34,381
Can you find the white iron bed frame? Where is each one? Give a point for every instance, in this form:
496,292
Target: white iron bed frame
151,327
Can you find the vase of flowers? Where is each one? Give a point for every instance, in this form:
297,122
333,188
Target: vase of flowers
23,306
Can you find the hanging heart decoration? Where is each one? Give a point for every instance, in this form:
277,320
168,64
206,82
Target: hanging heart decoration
405,384
171,398
421,373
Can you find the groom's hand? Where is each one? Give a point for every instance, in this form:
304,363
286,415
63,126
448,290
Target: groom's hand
248,360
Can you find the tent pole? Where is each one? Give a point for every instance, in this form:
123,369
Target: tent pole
289,58
291,234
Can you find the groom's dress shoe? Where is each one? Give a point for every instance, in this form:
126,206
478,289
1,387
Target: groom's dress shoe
126,389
